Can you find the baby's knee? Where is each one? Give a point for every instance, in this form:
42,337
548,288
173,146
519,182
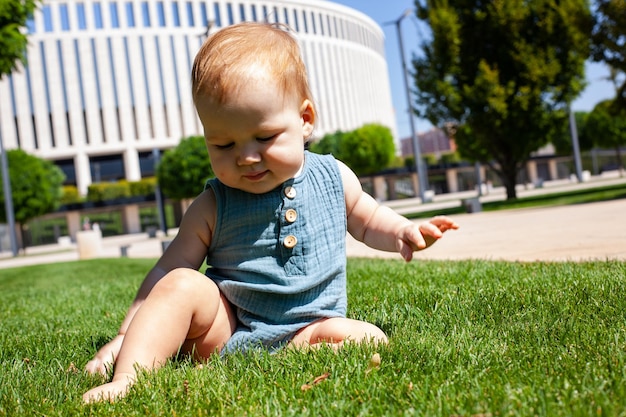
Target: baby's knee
371,333
186,281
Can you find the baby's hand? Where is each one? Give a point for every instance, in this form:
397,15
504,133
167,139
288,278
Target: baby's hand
416,237
105,357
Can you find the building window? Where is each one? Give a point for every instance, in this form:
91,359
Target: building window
80,14
80,86
313,25
131,91
107,168
296,23
229,12
161,13
65,19
64,87
94,54
115,20
242,12
42,49
145,13
130,15
114,86
218,17
205,15
147,86
30,24
47,18
162,82
29,87
254,16
190,20
97,15
322,25
175,14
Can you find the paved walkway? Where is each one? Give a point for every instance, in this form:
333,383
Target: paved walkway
577,232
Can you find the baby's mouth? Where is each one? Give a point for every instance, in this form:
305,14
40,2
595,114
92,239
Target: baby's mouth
256,175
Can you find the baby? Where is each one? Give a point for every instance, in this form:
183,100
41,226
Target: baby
271,225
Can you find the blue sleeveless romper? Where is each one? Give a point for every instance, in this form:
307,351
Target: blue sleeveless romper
279,257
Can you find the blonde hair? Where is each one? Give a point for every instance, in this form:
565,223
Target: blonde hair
232,56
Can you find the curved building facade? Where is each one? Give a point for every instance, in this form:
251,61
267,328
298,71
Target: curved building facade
108,81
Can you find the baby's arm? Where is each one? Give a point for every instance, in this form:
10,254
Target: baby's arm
382,228
187,250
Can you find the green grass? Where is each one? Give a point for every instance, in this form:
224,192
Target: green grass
466,338
603,193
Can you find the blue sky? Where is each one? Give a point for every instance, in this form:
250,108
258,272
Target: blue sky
383,11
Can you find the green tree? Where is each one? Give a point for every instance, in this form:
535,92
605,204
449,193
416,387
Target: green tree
13,39
608,43
36,186
367,149
183,170
502,72
329,144
606,125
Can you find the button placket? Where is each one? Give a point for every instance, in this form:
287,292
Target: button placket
290,215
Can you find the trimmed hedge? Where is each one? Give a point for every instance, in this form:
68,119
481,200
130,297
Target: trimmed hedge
122,189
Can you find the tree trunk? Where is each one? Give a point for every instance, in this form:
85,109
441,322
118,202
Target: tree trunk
511,192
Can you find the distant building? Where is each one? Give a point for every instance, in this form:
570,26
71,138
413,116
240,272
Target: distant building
107,82
435,142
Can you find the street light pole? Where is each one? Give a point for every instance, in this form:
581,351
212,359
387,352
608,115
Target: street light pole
417,153
8,197
575,145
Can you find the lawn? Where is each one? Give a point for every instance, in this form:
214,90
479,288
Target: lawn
466,338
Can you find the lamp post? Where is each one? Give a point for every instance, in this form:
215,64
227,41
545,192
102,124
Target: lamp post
417,153
575,145
8,197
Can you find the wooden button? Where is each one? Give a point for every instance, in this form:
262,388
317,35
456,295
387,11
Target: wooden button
290,192
291,215
290,241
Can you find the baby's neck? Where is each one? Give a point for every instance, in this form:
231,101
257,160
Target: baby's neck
300,169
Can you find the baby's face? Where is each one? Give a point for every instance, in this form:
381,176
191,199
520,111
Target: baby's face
256,138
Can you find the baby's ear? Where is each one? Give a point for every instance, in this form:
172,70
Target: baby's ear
307,114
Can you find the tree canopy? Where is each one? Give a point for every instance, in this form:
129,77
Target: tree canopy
13,17
503,73
36,186
609,42
183,170
606,125
365,150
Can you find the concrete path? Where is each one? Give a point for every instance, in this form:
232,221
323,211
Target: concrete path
576,233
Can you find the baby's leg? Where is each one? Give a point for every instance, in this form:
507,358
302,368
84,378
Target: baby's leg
336,331
184,311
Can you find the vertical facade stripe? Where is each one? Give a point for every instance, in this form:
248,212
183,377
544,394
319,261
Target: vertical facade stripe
112,77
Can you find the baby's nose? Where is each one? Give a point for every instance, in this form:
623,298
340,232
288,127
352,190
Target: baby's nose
249,155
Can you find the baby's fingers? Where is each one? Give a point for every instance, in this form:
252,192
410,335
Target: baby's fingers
97,366
431,229
444,223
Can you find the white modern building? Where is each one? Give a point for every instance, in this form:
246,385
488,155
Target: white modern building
108,81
